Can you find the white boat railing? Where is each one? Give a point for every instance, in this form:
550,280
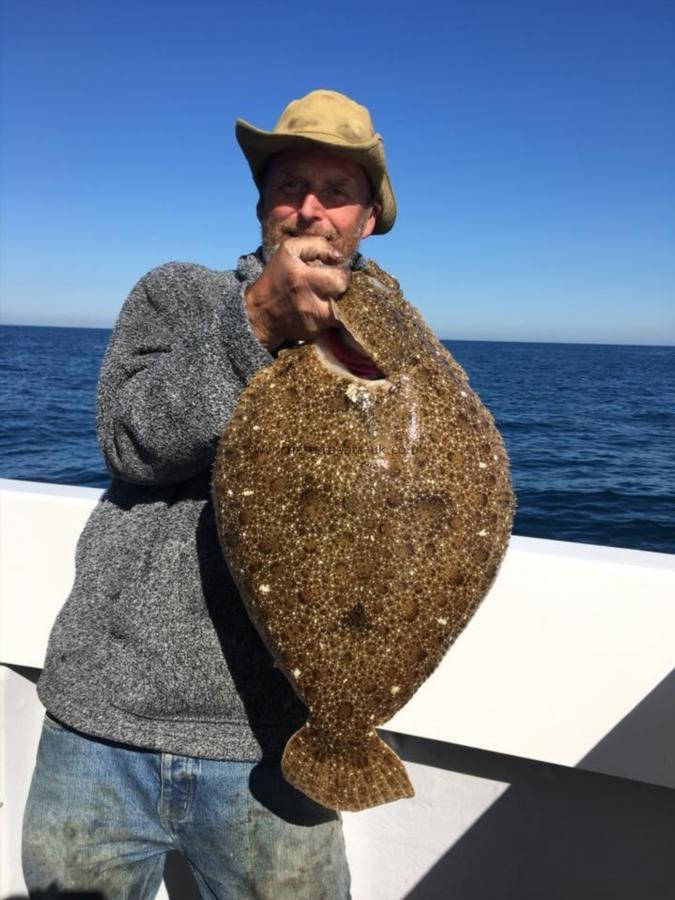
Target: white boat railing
569,660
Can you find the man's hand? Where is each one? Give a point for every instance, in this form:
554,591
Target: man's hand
291,299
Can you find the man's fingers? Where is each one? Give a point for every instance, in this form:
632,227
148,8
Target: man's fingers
323,317
328,281
293,295
312,248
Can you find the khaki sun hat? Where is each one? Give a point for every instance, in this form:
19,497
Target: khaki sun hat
329,120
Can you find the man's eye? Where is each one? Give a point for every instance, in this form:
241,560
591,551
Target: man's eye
290,184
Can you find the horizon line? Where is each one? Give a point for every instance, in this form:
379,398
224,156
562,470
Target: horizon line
582,343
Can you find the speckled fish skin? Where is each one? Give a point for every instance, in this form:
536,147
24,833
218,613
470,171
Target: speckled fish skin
363,522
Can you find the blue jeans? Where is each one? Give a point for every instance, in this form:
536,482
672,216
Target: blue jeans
101,817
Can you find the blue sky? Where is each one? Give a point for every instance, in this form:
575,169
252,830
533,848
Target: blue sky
530,144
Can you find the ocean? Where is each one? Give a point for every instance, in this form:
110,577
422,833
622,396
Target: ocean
590,428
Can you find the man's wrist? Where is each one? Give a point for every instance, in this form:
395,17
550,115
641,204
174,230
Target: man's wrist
258,321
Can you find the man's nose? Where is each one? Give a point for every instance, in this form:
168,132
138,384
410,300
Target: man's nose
311,207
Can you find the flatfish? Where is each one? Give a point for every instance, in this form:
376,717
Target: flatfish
364,505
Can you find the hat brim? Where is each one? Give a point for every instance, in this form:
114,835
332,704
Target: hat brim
258,146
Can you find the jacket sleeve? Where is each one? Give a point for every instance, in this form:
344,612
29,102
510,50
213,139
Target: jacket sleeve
180,354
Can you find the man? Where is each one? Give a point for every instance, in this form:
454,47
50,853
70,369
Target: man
166,718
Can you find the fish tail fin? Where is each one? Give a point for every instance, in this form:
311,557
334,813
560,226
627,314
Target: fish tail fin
349,777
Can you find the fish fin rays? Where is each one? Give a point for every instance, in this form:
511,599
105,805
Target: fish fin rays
350,778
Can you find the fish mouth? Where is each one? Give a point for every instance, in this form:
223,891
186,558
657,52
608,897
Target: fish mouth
340,349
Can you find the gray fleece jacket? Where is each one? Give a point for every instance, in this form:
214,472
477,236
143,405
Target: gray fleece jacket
153,646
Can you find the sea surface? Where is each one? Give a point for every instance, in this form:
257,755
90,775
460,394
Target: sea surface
590,429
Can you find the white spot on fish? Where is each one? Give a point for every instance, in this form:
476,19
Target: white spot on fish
359,396
442,620
296,673
395,688
482,465
464,393
482,532
256,427
247,492
265,588
230,492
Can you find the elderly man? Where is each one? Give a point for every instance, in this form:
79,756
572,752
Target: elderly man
166,718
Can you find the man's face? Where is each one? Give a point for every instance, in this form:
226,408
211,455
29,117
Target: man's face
311,192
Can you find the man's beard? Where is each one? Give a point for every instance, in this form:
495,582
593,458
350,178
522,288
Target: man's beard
347,244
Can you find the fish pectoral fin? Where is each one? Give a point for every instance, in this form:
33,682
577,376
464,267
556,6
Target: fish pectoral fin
354,777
